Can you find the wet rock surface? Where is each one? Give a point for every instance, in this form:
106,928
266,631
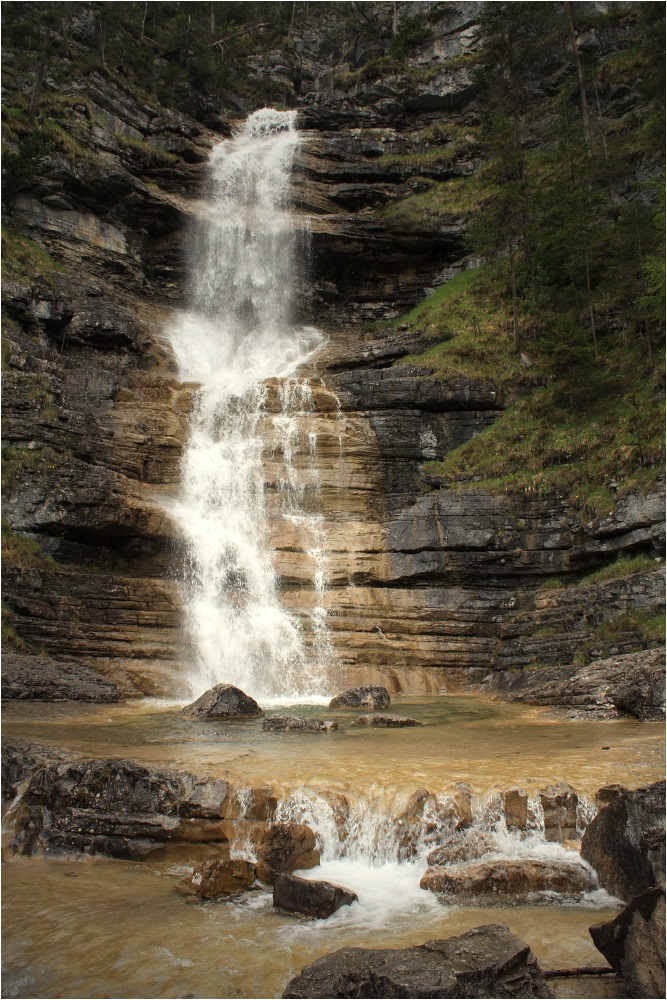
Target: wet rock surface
119,808
311,897
559,805
386,721
630,684
468,845
488,961
370,696
634,944
294,723
224,701
224,877
284,848
625,843
516,878
40,678
21,757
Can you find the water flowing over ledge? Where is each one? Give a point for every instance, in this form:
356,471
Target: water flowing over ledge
238,334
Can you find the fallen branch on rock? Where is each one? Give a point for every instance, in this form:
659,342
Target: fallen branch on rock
585,970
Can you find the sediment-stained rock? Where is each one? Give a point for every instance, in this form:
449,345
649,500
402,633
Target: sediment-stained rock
468,845
559,805
21,757
516,878
284,848
224,877
488,961
311,897
224,701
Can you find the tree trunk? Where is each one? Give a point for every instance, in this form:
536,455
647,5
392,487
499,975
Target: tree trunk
585,114
590,305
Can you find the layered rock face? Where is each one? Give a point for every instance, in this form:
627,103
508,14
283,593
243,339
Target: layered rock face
95,418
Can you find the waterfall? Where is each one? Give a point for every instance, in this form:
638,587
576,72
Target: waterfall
237,335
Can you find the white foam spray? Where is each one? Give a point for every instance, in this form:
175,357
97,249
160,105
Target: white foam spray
238,334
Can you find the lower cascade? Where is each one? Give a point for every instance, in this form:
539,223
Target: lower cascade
239,334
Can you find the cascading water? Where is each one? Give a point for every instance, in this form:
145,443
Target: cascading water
239,334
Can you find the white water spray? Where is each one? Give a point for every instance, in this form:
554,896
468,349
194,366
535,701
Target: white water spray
238,335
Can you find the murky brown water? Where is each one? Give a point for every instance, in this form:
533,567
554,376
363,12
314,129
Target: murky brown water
93,928
464,739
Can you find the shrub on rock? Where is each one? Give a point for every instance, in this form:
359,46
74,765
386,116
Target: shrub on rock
224,701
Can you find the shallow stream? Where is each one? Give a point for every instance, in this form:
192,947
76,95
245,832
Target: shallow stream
102,928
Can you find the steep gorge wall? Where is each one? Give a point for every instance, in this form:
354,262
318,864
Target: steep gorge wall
95,418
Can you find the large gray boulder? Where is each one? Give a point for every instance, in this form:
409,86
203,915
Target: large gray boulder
487,961
371,696
224,701
312,897
625,843
634,944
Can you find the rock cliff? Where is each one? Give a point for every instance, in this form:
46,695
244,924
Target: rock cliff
418,576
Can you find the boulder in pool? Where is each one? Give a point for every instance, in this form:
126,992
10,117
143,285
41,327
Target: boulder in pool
224,701
292,723
386,721
487,961
517,878
312,897
372,696
222,877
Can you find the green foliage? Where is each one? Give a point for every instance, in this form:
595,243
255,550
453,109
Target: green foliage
22,259
411,32
626,566
22,553
17,463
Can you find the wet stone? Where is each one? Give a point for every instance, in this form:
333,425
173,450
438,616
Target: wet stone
283,848
292,723
223,877
313,898
224,701
518,878
467,845
371,696
386,721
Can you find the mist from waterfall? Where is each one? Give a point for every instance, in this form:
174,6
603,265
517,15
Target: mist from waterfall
238,334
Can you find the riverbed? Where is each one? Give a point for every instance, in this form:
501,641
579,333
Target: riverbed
95,927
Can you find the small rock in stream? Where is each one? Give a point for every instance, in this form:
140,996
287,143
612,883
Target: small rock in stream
312,897
372,696
283,848
285,723
224,701
386,721
224,877
467,845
